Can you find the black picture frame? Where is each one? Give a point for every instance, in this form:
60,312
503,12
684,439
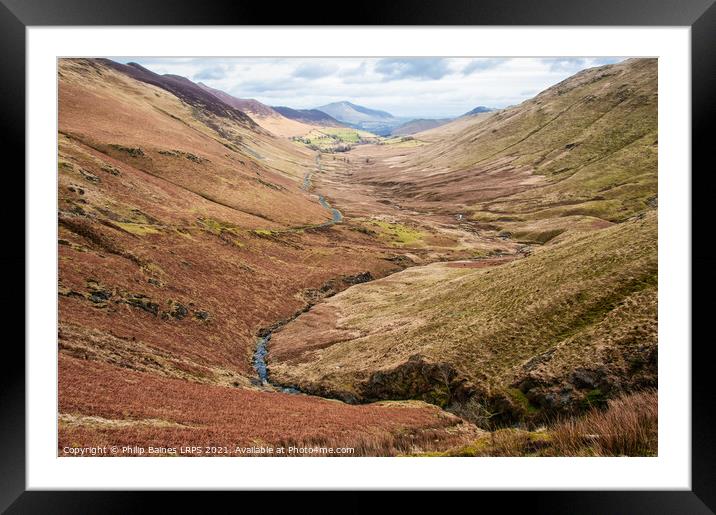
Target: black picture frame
700,15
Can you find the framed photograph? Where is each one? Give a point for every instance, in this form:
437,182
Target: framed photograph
441,247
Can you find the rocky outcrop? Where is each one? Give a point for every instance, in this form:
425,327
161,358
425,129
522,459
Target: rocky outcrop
176,310
420,379
358,278
416,379
574,390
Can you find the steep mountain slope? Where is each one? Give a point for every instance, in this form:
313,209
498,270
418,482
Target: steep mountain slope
585,148
418,125
184,229
309,116
190,93
204,146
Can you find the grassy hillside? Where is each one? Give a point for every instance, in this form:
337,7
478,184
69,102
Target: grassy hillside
203,146
567,326
582,151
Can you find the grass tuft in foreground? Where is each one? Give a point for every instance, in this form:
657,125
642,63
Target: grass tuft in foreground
626,427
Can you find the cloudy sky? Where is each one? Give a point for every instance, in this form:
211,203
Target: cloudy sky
411,87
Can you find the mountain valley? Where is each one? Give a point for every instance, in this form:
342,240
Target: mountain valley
443,290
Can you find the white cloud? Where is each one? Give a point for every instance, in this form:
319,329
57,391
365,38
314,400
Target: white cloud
410,87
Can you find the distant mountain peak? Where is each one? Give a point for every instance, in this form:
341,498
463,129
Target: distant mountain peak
479,109
361,117
349,112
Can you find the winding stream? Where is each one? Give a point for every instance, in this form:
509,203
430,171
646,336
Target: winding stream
337,215
261,352
262,344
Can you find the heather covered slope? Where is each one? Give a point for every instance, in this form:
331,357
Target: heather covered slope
162,205
216,152
104,405
570,324
184,230
184,89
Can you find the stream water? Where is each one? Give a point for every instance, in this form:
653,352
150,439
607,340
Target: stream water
260,359
262,369
337,215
